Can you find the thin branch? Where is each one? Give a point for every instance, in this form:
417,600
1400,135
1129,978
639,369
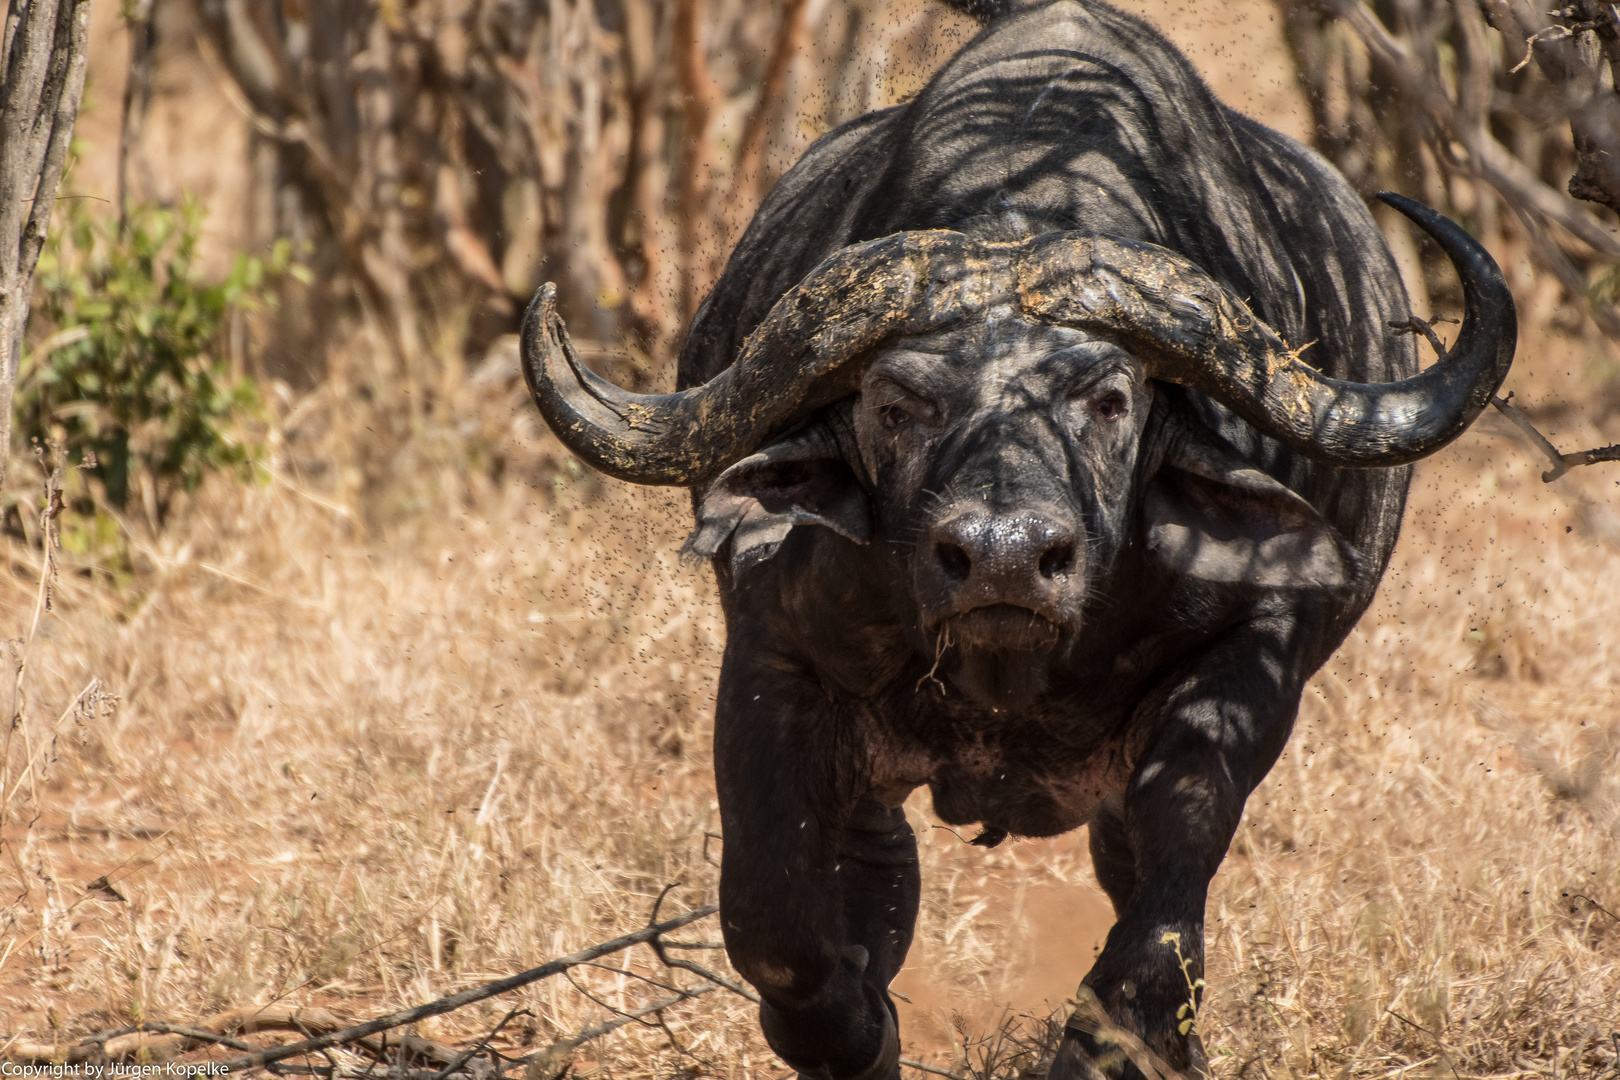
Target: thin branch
658,946
1594,903
1488,158
1592,457
627,973
1551,33
260,1059
1425,327
586,994
710,945
122,1044
470,1054
1561,463
349,1072
566,1046
191,1033
675,1044
702,972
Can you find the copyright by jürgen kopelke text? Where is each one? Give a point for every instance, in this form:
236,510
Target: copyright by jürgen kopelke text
112,1071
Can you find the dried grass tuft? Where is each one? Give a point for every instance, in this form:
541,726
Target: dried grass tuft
384,735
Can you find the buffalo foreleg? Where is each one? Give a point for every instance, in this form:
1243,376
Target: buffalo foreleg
1217,728
819,886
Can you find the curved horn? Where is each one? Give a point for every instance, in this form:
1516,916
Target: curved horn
1190,329
1193,331
799,359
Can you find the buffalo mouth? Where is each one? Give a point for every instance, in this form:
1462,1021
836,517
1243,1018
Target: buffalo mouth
998,654
997,628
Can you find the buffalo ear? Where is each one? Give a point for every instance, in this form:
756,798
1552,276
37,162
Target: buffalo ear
1212,515
801,479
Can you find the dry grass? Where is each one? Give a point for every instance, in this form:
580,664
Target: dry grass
432,707
363,755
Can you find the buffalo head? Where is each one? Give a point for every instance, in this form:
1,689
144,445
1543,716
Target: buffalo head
1000,455
988,412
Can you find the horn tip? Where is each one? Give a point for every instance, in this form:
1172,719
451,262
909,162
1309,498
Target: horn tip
545,296
1408,206
540,309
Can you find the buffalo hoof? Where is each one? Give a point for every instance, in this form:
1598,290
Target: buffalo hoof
1102,1051
848,1032
1085,1057
885,1067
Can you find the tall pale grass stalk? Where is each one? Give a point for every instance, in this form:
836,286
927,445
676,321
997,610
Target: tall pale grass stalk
361,760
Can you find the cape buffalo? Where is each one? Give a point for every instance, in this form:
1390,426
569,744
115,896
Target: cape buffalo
1047,433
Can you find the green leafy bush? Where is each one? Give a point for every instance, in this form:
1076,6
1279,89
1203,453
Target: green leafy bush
128,366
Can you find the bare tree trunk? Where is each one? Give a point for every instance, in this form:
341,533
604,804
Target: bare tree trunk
747,179
466,150
137,97
699,98
1435,124
655,321
41,82
597,139
1572,63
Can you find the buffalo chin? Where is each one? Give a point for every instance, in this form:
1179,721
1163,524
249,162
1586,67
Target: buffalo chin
1008,680
1003,655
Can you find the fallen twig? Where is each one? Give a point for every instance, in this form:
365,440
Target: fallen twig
261,1058
350,1072
1561,463
470,1054
199,1034
563,1047
701,972
157,1042
934,1069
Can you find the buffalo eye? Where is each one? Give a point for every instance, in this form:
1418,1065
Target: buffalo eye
1112,406
894,416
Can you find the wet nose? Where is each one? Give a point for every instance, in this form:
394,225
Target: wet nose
1021,558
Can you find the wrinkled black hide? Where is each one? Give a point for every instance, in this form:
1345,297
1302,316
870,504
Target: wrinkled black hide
1011,568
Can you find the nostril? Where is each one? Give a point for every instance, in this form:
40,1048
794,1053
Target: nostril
1057,560
955,561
